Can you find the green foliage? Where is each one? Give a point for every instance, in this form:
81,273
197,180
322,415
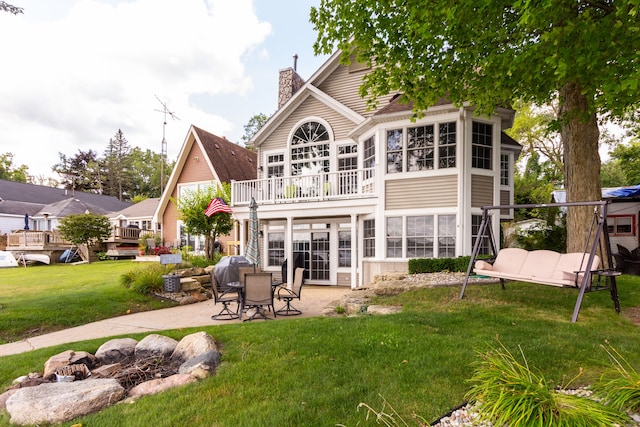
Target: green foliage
552,237
434,265
11,172
619,386
192,206
611,174
509,392
145,279
202,261
255,123
626,161
87,228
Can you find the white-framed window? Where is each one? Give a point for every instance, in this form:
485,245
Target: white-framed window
481,145
193,187
446,236
369,237
394,237
275,248
504,169
275,165
344,247
369,157
348,161
621,225
484,248
420,148
310,149
419,236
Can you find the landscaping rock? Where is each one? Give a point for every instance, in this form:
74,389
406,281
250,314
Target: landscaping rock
193,345
61,402
202,365
65,358
155,345
189,284
383,309
161,384
4,396
116,350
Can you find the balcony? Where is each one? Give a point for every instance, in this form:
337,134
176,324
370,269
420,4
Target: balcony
22,240
325,186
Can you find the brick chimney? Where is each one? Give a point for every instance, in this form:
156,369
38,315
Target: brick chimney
288,83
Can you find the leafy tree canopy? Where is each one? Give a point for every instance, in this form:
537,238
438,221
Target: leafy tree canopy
488,53
11,172
84,229
6,7
192,206
255,123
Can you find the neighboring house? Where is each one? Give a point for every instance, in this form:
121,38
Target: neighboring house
204,160
354,193
139,214
623,215
18,199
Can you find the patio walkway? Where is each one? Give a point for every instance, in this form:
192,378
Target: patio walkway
312,303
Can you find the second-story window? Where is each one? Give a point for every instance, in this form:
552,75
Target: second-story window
421,148
369,157
310,149
348,161
481,145
275,165
504,169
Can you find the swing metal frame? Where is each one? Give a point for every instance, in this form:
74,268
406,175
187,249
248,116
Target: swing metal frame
601,238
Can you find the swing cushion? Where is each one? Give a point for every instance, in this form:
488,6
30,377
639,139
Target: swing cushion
541,266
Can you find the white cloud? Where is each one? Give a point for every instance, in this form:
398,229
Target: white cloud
71,81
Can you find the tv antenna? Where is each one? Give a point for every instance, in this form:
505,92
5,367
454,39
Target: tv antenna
163,154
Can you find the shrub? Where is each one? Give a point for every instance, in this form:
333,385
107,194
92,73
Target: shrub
145,279
434,265
507,392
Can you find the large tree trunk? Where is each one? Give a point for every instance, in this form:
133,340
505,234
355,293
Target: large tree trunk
580,136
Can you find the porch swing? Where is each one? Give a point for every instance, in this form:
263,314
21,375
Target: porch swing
575,269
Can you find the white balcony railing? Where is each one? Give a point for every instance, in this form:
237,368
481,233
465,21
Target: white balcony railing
310,188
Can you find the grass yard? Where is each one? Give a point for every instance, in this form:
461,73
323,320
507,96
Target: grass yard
315,371
40,299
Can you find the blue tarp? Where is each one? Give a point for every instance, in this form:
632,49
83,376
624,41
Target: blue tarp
633,191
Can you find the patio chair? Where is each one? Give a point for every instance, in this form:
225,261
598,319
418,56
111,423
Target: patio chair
289,294
225,297
258,294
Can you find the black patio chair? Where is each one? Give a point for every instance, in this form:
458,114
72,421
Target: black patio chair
289,294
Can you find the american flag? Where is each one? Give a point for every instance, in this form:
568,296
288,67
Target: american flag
217,205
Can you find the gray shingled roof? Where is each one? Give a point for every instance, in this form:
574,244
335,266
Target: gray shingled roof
70,206
31,194
144,208
230,161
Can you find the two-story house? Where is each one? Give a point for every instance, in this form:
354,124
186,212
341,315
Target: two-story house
204,160
352,192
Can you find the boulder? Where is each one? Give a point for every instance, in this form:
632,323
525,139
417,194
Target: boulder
193,345
116,350
383,309
61,402
155,345
161,384
202,365
65,358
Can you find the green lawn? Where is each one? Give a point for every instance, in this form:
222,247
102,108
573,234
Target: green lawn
47,298
315,371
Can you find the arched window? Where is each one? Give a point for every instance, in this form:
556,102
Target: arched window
310,149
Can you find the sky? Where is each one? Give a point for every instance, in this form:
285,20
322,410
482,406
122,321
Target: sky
74,72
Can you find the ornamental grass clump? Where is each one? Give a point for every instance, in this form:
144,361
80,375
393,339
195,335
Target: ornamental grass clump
619,386
507,392
144,280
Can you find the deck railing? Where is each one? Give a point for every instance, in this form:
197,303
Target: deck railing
310,188
36,239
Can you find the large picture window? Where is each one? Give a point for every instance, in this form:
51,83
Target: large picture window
481,145
421,148
446,236
420,236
